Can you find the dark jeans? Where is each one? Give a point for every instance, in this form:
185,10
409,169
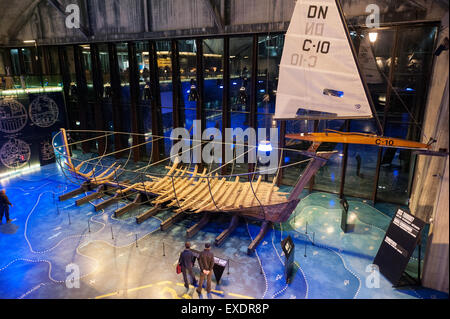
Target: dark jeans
185,272
4,209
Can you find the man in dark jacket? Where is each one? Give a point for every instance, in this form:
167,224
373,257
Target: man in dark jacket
187,261
4,206
206,263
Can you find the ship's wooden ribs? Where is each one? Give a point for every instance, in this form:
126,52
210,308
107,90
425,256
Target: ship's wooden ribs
99,192
107,202
80,190
149,213
197,227
264,228
227,232
127,208
171,220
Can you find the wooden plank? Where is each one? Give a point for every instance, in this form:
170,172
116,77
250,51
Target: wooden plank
97,194
171,220
148,214
227,232
174,166
233,189
194,199
107,202
127,208
268,198
210,197
188,189
358,138
197,227
223,196
262,233
254,192
80,190
170,182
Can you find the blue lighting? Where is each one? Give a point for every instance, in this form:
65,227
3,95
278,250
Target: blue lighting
332,177
260,81
265,146
396,173
332,203
409,90
188,91
287,159
262,91
234,83
221,86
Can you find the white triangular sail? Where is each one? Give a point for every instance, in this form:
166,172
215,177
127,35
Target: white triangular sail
318,71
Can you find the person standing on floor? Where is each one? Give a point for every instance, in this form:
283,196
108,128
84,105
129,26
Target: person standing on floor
206,263
187,262
4,206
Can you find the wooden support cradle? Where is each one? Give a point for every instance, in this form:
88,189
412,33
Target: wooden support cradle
262,233
127,208
197,227
227,232
148,214
97,194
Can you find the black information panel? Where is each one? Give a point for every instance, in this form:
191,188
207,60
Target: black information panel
288,248
26,126
344,216
219,265
398,245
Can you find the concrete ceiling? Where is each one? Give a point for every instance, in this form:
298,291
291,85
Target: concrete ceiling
14,15
118,20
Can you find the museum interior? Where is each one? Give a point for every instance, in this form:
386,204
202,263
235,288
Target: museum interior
334,184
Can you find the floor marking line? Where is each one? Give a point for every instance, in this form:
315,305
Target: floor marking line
240,296
140,288
107,295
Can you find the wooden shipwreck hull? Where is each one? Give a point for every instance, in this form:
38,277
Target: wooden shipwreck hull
184,190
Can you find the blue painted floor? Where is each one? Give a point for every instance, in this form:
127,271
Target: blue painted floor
116,258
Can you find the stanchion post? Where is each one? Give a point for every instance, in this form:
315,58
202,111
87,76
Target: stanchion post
112,234
228,271
136,240
68,215
89,225
164,250
305,248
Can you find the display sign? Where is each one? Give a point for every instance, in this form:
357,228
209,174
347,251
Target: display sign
344,215
398,245
26,126
219,265
289,251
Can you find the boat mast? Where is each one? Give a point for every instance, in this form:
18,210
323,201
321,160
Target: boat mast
379,127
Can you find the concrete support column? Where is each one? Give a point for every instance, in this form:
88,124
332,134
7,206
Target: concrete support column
430,196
